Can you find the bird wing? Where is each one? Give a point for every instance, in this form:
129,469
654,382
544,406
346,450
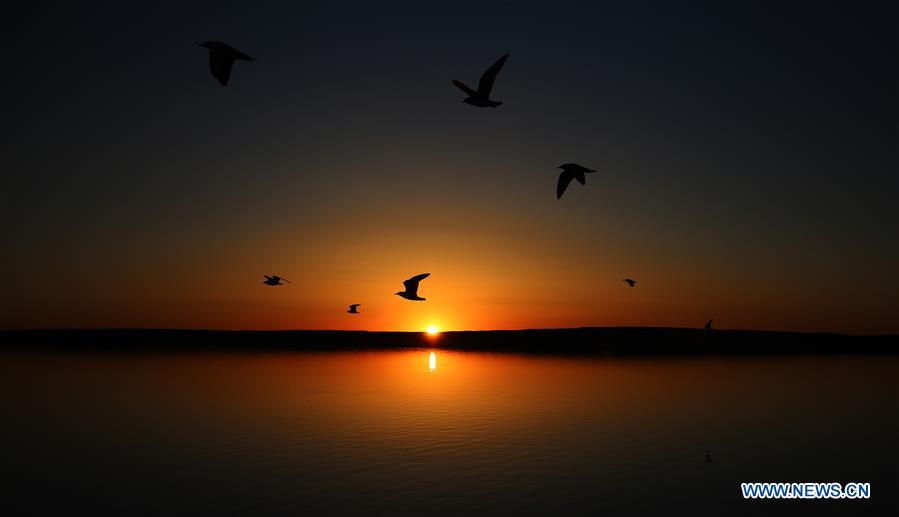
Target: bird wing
564,179
286,280
220,66
353,306
573,167
236,54
267,277
411,284
489,76
460,85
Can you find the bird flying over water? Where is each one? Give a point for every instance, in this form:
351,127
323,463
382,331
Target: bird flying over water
481,97
411,285
274,280
571,171
630,282
708,324
352,309
222,58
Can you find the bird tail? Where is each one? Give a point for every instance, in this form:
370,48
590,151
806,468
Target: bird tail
494,104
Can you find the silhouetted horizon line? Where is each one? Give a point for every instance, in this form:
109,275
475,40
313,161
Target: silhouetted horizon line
601,341
457,331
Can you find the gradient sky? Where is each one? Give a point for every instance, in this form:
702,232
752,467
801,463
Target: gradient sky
747,158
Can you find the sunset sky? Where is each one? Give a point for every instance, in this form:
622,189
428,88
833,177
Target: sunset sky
746,153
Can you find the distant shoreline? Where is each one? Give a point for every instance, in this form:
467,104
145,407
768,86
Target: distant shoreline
604,341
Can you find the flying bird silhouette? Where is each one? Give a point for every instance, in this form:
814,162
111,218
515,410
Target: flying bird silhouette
481,97
352,309
411,285
222,58
708,324
630,282
274,280
570,171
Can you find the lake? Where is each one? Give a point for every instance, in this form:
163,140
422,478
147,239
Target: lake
433,431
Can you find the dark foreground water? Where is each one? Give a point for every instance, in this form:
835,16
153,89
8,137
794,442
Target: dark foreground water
405,432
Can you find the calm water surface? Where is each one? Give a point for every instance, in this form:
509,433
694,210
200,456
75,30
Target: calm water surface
440,432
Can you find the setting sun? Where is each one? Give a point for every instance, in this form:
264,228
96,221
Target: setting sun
432,330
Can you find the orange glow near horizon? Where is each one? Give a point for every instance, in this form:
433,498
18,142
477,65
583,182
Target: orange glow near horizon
483,278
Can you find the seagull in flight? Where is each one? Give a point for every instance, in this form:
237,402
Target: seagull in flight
274,280
571,171
352,309
708,324
222,58
630,282
481,97
411,285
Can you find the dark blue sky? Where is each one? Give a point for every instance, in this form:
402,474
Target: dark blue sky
746,147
